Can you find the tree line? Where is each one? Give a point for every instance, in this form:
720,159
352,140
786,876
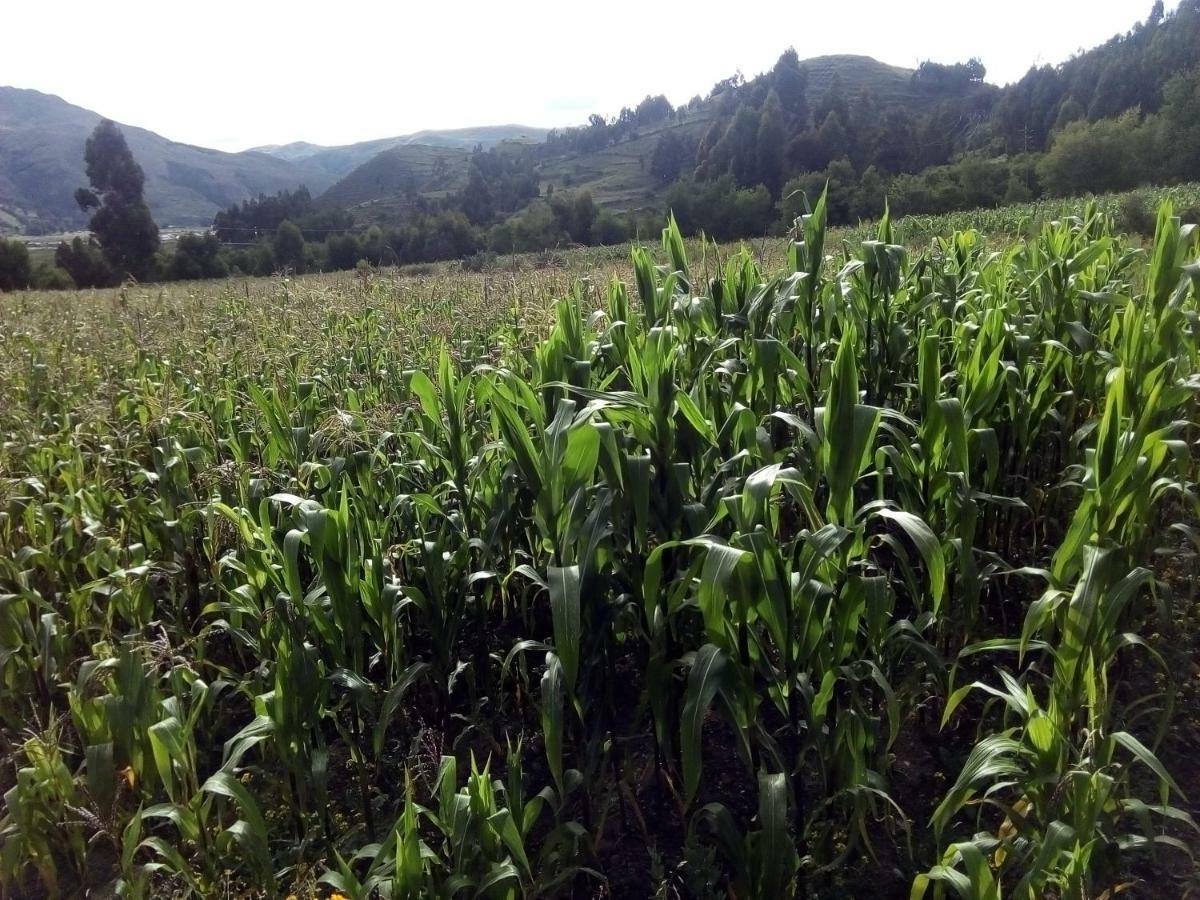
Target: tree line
1123,114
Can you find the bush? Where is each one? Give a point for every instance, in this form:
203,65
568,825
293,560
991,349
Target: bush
15,270
479,262
609,228
342,251
48,277
287,247
720,208
197,256
85,264
1106,155
1134,216
535,229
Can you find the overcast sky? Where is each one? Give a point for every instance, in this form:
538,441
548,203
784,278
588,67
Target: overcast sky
238,74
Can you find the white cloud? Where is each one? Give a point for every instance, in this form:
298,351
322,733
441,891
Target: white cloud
235,74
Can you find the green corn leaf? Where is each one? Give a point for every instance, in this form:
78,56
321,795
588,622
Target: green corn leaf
564,582
775,851
704,681
927,545
393,699
553,700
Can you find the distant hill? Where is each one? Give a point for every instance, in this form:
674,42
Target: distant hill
616,175
856,74
619,175
463,138
839,118
338,161
41,165
397,176
42,138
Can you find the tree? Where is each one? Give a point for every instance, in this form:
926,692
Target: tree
653,110
498,181
85,263
288,247
257,218
1069,111
742,141
958,77
1016,190
803,190
790,81
449,235
122,223
574,214
804,153
49,277
15,271
833,102
896,145
373,248
831,138
197,256
720,208
342,251
609,229
1108,155
1179,126
730,84
769,144
870,196
672,155
983,180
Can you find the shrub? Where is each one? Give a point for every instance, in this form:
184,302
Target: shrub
15,270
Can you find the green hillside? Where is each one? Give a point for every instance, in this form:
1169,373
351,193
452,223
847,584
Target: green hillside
41,165
338,161
889,84
392,180
618,175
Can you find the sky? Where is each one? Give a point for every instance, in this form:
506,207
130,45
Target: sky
233,75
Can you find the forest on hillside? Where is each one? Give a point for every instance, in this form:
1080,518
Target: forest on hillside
747,158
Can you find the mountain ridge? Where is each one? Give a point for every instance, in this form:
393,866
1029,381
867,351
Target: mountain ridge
465,138
42,137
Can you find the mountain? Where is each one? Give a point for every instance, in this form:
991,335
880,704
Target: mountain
617,173
843,119
929,139
398,175
855,74
338,161
462,138
41,165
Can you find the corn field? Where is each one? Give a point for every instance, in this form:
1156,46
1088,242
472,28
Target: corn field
859,575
